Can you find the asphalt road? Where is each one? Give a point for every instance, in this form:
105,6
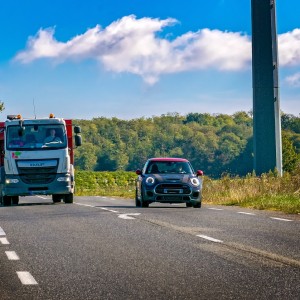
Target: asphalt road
105,248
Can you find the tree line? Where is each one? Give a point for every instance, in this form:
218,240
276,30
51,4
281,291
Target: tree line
214,143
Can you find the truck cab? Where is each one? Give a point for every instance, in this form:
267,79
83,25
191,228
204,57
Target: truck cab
37,158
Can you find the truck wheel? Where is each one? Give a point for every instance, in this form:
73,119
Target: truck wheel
69,198
6,201
15,200
56,198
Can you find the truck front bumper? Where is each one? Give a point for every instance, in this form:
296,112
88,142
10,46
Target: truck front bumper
14,186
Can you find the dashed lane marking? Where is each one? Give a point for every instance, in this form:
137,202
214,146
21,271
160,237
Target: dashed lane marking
4,241
246,213
209,238
12,255
26,278
212,208
280,219
2,232
114,211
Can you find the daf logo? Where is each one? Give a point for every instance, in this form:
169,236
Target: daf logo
37,164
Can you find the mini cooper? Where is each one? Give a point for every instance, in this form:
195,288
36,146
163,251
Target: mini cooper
168,180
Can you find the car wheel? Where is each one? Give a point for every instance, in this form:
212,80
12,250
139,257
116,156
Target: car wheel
197,205
137,201
188,204
143,203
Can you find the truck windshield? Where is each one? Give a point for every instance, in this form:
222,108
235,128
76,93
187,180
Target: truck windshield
43,137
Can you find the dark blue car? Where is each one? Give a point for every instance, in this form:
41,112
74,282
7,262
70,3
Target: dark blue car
168,180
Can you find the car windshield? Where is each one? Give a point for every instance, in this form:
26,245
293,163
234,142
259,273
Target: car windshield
36,136
177,167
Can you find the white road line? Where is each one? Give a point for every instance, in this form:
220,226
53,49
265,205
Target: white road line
114,211
212,208
280,219
128,216
4,241
12,255
26,278
2,231
209,238
84,204
246,213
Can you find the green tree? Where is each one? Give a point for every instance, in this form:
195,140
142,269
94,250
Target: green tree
290,158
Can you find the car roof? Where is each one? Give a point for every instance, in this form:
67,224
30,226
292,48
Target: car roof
173,159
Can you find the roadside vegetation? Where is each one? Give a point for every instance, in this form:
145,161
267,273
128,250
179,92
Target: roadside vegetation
268,191
221,145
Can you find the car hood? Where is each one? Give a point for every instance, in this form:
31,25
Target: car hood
174,178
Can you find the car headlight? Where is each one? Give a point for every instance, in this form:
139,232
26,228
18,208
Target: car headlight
150,180
195,181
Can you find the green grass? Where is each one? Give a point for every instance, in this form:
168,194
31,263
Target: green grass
268,192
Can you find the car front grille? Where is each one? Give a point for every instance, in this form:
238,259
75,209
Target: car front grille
173,189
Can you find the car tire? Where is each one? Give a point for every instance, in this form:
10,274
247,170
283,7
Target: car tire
197,205
188,204
137,201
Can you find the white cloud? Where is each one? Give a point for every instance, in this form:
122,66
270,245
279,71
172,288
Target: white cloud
133,45
289,48
294,80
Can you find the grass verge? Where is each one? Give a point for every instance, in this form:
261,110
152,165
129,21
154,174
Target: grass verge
268,191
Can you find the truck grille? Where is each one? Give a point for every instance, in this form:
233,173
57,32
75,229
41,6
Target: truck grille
173,189
37,175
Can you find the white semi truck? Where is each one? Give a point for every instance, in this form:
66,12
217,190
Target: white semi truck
37,158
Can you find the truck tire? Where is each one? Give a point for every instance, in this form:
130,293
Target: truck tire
56,198
69,198
15,200
6,201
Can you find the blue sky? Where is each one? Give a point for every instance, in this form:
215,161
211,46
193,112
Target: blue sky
137,58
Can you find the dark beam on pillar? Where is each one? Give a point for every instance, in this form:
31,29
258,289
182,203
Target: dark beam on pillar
266,106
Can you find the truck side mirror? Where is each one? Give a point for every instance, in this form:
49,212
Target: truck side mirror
77,129
78,140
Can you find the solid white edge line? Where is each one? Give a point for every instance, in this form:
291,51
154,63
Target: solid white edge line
209,238
12,255
26,278
280,219
246,213
4,241
2,231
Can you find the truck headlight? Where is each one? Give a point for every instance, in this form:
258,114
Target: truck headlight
150,180
195,181
11,180
63,179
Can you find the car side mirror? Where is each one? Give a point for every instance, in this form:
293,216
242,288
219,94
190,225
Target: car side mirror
138,172
199,173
